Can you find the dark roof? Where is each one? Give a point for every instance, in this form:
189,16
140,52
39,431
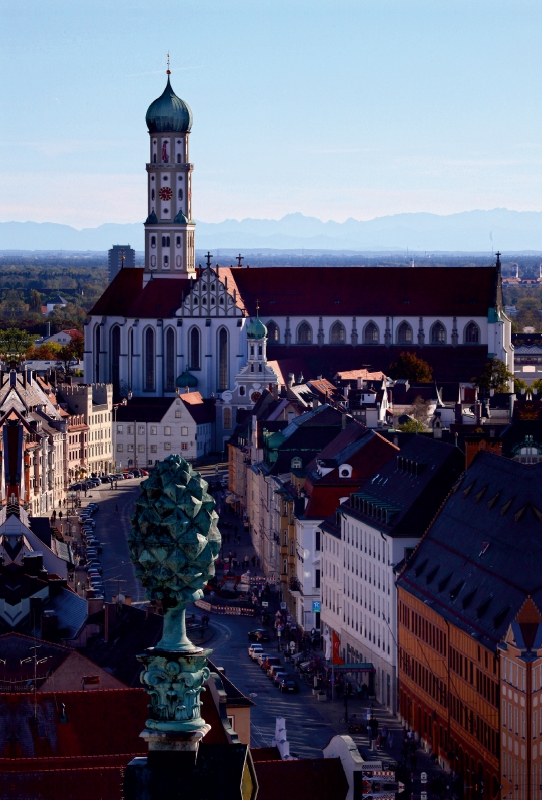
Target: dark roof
201,410
42,528
367,291
481,557
514,434
144,409
460,363
414,484
306,779
126,296
15,672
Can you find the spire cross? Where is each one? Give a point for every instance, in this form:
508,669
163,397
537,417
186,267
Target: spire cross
168,72
208,257
240,258
257,308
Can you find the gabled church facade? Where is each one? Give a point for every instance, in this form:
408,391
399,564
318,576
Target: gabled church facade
155,326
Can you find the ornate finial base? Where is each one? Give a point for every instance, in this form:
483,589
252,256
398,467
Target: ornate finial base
174,682
173,741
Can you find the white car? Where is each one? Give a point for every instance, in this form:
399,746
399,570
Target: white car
260,658
254,649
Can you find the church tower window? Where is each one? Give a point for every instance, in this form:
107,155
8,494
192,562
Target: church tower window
273,332
195,349
170,360
115,359
222,359
438,333
304,333
149,360
404,333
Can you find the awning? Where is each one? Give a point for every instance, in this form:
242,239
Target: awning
365,667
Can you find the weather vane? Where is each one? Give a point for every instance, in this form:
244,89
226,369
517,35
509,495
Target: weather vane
168,69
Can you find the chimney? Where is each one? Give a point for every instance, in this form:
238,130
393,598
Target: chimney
291,416
47,329
94,605
127,599
478,412
149,610
315,402
458,414
110,617
49,626
35,611
32,563
290,380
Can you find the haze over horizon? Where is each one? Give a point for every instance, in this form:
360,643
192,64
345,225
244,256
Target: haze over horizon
358,109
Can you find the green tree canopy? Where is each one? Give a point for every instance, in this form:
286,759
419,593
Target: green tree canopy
495,376
14,344
412,368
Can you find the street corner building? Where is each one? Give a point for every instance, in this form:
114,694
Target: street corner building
470,633
174,323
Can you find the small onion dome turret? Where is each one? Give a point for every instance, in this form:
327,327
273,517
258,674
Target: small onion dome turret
256,329
169,114
186,380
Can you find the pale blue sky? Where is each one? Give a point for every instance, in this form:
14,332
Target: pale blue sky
335,108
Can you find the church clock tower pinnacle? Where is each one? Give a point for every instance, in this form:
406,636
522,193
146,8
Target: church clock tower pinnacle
169,229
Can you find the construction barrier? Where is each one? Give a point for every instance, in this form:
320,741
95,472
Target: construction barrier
231,610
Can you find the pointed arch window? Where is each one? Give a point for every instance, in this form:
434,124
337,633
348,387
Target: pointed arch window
195,349
97,348
170,360
272,332
149,360
222,359
304,333
338,333
404,333
370,334
438,333
115,359
472,333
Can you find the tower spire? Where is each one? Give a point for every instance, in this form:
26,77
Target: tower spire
168,71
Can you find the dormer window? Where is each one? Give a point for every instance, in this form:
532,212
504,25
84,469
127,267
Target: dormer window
296,463
345,471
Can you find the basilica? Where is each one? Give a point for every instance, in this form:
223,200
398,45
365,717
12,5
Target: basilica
229,332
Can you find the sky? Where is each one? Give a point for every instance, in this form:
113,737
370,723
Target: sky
332,108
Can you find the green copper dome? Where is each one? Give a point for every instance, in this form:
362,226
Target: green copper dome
169,114
186,380
256,329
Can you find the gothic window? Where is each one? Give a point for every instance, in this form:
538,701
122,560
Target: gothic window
170,360
370,334
304,333
97,348
227,418
149,360
438,333
273,332
404,333
195,362
222,359
472,333
115,359
130,355
338,333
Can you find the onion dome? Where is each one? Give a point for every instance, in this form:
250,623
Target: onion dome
256,329
152,219
169,114
181,218
186,380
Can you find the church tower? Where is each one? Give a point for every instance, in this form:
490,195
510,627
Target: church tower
169,229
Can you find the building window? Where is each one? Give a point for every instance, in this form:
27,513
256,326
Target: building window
130,448
472,333
154,430
222,359
304,333
184,431
227,418
178,414
120,448
141,430
115,359
317,541
97,348
404,333
167,430
170,360
184,445
130,429
154,448
149,360
438,333
273,332
338,333
167,445
119,428
195,362
370,334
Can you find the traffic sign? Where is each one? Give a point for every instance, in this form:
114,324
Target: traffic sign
316,606
264,603
423,777
292,646
423,795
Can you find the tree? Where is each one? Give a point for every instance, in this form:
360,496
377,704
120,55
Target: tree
410,426
411,368
35,300
73,351
495,376
519,384
420,411
50,351
14,344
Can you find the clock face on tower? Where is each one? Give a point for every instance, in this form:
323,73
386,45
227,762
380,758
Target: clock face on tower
165,193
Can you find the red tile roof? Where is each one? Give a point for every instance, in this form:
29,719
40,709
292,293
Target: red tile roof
329,291
201,410
307,779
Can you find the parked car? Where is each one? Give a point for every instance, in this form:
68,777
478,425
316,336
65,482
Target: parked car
273,669
127,475
289,685
254,649
144,472
261,657
259,635
76,487
279,676
272,661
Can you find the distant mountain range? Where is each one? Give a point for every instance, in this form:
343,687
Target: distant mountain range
469,231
